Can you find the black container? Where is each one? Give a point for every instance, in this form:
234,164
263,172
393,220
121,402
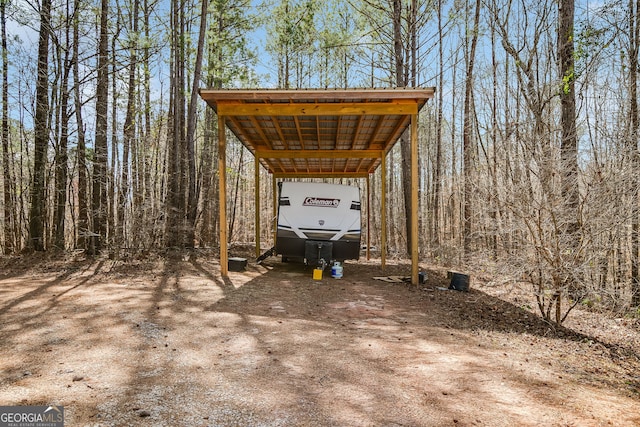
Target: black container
314,251
459,282
237,264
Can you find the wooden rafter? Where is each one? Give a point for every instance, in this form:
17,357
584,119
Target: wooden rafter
376,130
299,131
400,127
258,129
356,133
278,128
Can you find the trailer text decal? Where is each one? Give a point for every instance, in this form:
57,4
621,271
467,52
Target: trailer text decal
320,202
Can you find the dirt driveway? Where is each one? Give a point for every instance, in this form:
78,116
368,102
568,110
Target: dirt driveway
169,343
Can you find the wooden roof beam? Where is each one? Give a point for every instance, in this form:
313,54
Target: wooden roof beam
397,107
217,95
321,174
320,154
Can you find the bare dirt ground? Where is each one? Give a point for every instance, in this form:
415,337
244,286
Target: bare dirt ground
168,342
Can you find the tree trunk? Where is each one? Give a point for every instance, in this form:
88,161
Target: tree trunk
437,178
569,142
468,150
62,157
175,170
208,173
192,200
111,179
634,155
405,143
236,193
41,141
493,168
128,132
83,212
143,201
99,179
9,236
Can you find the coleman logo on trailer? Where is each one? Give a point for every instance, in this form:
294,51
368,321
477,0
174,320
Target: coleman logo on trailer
320,202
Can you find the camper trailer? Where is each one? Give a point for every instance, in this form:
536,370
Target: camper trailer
318,222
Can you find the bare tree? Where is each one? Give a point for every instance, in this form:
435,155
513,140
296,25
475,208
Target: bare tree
401,80
37,212
569,147
176,138
61,154
99,178
129,130
83,211
192,197
8,219
437,170
544,203
633,153
468,147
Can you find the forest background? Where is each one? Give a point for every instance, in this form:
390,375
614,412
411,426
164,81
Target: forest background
529,162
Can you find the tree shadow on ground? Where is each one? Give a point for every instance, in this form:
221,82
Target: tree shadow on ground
298,342
276,290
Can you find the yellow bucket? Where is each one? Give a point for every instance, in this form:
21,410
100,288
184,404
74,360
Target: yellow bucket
317,274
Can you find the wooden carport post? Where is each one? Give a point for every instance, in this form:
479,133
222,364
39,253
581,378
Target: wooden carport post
257,202
222,191
368,216
274,189
414,199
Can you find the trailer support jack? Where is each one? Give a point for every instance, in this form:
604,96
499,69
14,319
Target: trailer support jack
267,254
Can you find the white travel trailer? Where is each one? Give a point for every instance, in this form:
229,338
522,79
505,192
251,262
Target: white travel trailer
318,222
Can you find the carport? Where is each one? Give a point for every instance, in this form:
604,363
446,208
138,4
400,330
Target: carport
319,133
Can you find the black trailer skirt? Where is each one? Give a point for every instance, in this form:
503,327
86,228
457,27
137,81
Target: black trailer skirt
295,247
